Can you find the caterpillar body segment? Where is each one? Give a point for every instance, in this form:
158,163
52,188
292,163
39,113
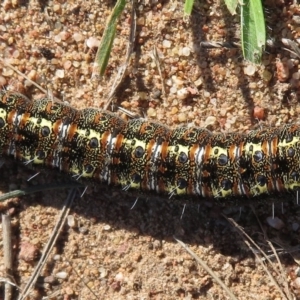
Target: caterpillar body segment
147,156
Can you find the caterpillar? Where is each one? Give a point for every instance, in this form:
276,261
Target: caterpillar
147,156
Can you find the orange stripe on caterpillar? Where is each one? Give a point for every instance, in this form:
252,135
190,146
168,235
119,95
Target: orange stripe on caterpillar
147,156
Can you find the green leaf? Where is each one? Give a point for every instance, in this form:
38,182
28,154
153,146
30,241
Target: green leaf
188,6
107,40
231,5
253,31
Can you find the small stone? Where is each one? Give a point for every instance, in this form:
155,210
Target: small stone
283,72
156,94
186,51
60,73
206,94
64,35
166,44
140,21
61,275
119,277
32,75
78,37
55,61
57,8
83,230
183,93
296,19
182,117
71,221
76,64
103,272
198,82
151,112
28,252
267,76
106,227
69,291
92,42
174,110
258,113
249,70
50,279
56,257
275,222
211,120
67,65
57,38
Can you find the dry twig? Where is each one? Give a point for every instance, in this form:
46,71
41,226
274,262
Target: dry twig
131,39
49,246
8,257
207,269
256,249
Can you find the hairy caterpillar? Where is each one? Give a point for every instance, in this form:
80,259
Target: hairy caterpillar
147,156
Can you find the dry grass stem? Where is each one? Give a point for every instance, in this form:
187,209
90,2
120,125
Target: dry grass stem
8,254
49,246
207,269
119,78
256,249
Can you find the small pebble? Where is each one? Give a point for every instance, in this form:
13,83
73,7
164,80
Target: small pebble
275,222
76,64
78,37
56,257
71,221
151,112
156,94
211,120
61,275
103,272
92,42
106,227
198,82
57,38
186,51
83,230
267,76
183,93
60,73
69,291
119,277
67,65
249,70
166,44
283,72
28,252
174,111
57,8
182,117
296,19
258,113
50,279
32,75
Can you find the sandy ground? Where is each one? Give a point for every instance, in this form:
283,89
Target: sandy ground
106,250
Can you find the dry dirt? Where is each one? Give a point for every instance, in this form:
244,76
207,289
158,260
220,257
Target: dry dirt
107,250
